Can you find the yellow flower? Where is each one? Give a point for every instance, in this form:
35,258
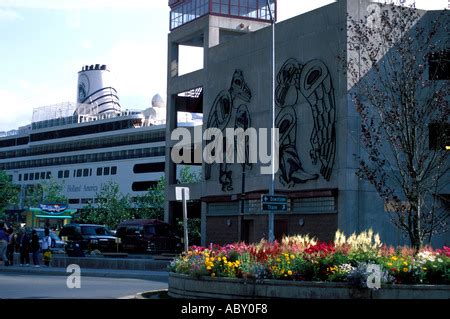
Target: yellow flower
208,268
424,269
213,275
389,264
289,272
405,263
394,258
292,257
278,260
405,269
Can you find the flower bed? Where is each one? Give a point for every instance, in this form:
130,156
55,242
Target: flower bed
301,258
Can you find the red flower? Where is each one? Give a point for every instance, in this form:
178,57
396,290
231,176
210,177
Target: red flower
321,249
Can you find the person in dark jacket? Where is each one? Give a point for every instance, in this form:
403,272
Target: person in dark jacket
10,247
24,248
35,246
3,243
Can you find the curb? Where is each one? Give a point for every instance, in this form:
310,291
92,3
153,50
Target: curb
150,275
140,295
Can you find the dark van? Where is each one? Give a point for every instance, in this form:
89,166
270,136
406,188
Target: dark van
88,237
148,235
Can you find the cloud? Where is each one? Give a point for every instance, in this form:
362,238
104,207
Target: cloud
84,4
86,45
9,15
19,105
16,113
73,19
136,69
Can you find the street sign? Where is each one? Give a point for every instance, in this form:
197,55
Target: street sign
274,203
182,193
274,199
179,193
274,207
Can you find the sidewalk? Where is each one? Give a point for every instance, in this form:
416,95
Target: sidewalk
110,273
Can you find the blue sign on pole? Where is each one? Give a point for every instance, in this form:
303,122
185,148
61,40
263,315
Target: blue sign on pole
274,203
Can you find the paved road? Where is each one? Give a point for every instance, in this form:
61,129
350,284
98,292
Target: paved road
41,286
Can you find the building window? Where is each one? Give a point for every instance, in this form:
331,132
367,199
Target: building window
86,172
60,174
86,200
439,65
66,174
79,172
48,175
99,171
114,170
439,136
143,186
148,168
106,171
25,176
74,200
31,176
313,205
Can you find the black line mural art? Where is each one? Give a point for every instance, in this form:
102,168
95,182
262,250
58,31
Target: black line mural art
313,82
229,108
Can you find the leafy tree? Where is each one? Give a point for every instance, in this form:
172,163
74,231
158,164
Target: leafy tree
398,97
151,204
187,176
111,208
49,191
8,193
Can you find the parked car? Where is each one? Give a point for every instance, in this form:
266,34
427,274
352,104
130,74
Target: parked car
148,235
88,237
57,243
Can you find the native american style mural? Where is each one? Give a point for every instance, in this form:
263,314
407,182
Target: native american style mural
230,110
313,82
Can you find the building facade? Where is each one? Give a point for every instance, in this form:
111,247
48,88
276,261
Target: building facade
319,128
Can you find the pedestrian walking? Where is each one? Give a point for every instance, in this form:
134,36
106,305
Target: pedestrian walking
45,246
24,248
3,244
35,247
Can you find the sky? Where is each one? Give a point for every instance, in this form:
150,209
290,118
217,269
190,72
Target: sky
44,43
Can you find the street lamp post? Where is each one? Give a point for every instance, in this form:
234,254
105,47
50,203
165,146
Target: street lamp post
272,184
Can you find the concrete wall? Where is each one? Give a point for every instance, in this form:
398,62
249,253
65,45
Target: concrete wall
183,286
317,35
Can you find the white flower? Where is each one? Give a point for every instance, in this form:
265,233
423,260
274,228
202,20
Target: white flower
425,256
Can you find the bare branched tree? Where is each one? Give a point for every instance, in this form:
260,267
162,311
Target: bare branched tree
400,95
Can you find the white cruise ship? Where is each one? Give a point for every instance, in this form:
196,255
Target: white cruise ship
86,144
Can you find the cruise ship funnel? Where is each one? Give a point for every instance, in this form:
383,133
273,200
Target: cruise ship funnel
96,95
